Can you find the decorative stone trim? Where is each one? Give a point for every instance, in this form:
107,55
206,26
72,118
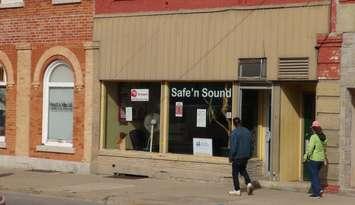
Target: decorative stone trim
69,55
23,46
65,1
4,59
56,149
2,144
23,162
91,45
347,1
12,5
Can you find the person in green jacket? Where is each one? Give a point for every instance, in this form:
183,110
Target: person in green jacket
315,156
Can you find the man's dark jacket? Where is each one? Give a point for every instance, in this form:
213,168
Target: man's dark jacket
241,145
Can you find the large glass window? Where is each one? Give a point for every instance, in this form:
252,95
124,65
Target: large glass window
200,118
2,103
132,116
58,105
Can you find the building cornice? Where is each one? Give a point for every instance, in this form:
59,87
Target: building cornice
210,10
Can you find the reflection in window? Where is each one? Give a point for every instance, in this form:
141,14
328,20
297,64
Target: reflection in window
132,116
2,103
58,105
200,118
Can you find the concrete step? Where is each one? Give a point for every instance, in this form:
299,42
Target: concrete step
287,186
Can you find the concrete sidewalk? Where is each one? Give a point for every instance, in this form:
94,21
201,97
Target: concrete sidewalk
148,191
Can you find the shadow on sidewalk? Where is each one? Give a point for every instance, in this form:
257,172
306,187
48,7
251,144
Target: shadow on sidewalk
127,176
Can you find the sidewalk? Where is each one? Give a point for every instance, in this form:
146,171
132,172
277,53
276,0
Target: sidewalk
148,191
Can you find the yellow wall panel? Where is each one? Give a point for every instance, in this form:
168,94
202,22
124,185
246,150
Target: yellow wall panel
290,135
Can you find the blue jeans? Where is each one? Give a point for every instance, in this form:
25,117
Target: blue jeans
314,168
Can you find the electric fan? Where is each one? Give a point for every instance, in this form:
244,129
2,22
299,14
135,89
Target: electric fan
151,124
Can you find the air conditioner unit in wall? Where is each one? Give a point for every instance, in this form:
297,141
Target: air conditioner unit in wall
252,68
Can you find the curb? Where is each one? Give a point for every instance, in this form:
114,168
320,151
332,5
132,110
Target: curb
286,186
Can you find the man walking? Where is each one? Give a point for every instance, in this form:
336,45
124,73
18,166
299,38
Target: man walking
241,149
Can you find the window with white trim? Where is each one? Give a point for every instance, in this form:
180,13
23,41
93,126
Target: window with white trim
58,101
11,3
2,103
65,1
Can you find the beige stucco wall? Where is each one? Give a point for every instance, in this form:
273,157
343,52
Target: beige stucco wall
346,18
328,114
347,110
170,166
205,45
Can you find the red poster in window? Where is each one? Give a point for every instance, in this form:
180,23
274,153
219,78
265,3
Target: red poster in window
122,115
179,109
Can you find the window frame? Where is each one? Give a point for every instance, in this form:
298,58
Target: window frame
46,86
18,3
262,68
3,84
55,2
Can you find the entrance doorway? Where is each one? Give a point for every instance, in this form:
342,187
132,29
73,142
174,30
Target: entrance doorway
309,111
255,112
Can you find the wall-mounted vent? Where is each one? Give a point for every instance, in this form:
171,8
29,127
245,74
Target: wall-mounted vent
293,68
252,68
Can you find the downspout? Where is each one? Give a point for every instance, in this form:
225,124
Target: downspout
333,16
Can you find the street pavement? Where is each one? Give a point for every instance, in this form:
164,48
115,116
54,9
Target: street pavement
143,191
13,198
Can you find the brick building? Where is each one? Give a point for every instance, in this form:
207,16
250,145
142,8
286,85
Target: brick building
150,88
46,66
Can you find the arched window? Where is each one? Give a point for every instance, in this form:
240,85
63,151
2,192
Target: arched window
2,102
58,105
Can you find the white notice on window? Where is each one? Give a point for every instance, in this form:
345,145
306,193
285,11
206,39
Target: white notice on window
202,146
201,118
129,112
139,95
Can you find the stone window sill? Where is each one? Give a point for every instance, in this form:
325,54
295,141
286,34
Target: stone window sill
12,5
65,1
56,149
347,1
2,144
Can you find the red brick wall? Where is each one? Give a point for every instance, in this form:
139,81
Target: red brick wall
36,106
10,126
126,6
329,56
40,21
44,25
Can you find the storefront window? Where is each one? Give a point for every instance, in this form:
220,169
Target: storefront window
133,116
200,118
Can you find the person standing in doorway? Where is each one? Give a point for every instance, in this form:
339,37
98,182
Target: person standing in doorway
241,149
315,157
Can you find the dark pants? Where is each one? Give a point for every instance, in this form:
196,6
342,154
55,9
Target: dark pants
314,168
239,166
